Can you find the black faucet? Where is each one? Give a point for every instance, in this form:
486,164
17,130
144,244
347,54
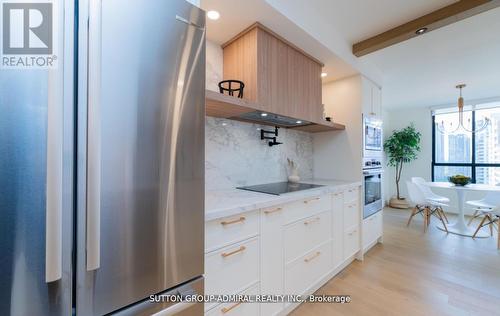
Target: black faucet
273,139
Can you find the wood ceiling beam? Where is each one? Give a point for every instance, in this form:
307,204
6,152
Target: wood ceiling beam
432,21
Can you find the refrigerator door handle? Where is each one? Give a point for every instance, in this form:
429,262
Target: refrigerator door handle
54,177
94,138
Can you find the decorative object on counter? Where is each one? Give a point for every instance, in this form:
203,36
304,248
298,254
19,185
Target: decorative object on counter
294,171
459,180
273,139
401,147
230,90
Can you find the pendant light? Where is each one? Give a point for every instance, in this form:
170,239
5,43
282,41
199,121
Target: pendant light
460,124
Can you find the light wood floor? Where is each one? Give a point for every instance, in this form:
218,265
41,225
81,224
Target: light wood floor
414,273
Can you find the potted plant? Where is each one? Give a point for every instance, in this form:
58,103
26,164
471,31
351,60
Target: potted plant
401,147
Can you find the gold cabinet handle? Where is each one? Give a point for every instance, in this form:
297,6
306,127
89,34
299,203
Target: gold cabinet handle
234,221
312,257
227,254
273,210
228,309
312,221
310,200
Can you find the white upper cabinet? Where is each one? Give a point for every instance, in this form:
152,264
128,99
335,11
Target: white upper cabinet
371,98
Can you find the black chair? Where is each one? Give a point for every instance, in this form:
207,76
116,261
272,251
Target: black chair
230,90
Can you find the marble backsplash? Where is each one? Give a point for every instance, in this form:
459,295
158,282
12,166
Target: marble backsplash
235,155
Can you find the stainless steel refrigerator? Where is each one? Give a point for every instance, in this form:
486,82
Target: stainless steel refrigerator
102,164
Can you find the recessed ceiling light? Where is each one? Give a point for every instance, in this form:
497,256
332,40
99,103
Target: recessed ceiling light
213,15
324,74
263,114
421,31
299,122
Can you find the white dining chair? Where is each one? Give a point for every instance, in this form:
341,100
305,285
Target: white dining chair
423,206
430,195
490,201
491,218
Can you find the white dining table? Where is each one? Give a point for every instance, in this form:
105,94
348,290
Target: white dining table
460,227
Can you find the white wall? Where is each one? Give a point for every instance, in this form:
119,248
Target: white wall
214,65
421,167
338,154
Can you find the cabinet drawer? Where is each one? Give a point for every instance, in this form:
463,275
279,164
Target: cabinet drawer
240,309
305,271
351,214
306,207
306,234
351,242
228,230
351,195
232,269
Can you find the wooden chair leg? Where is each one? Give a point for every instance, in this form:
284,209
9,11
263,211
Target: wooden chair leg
426,218
442,217
491,225
473,217
413,212
479,227
498,239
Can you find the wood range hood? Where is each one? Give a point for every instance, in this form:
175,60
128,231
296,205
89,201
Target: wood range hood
282,83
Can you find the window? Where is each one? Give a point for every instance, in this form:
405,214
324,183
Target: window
476,155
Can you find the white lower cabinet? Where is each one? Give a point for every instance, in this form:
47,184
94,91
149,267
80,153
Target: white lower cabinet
305,234
238,308
372,230
287,249
337,229
232,269
351,242
305,271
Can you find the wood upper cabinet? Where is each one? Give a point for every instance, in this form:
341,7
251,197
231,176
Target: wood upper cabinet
278,76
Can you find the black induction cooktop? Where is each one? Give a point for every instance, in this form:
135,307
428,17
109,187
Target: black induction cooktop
279,188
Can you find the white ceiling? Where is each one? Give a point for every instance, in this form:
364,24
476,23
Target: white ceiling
425,70
420,72
360,19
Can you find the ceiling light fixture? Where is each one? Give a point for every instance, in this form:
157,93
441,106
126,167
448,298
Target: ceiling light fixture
324,74
213,15
299,122
421,31
460,124
263,114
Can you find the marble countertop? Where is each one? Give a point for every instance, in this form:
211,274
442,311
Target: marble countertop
222,203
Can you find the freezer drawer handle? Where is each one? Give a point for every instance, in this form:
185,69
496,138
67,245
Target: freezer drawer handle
311,200
174,309
234,221
54,178
312,257
225,310
227,254
273,211
317,219
94,138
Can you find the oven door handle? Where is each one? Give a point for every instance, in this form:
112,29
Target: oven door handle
372,172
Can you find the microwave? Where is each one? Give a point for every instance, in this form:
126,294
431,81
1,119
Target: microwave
372,137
